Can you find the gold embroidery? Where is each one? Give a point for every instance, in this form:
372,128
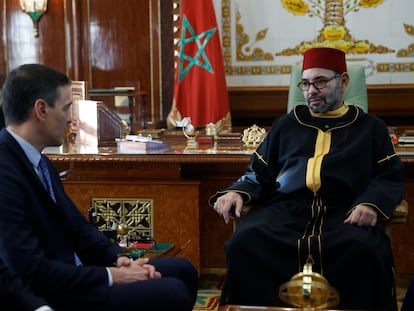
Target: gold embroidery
388,157
313,172
260,157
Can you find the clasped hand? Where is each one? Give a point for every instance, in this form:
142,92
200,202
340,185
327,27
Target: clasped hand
128,271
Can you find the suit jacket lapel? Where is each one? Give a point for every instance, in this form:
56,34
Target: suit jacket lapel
14,147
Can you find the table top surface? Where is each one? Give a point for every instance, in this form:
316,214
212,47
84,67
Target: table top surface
259,308
173,142
174,149
167,149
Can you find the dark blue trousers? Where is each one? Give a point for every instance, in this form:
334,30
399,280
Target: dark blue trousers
175,291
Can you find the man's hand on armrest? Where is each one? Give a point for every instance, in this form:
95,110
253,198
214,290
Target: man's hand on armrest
362,215
229,205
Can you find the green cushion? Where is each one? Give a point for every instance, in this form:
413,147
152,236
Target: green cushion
356,92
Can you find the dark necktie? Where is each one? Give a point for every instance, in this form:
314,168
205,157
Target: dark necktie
46,175
48,181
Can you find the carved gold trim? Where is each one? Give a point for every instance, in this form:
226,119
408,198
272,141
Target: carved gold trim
395,67
409,51
253,136
244,50
135,213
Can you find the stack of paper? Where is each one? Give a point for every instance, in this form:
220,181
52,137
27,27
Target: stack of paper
140,144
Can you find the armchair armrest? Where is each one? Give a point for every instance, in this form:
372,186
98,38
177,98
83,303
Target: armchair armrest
400,213
399,216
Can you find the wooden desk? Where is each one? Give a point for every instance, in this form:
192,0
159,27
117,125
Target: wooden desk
180,181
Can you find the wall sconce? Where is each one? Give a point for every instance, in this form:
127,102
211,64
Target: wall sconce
35,9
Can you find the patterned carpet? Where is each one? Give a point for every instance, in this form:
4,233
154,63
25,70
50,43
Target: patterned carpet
209,290
211,281
402,284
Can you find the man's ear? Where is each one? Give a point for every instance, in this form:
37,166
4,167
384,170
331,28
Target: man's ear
40,109
345,81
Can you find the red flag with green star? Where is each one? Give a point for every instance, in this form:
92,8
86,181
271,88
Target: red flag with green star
200,90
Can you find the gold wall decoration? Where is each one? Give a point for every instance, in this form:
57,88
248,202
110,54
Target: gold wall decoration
395,67
244,45
245,50
409,51
334,33
262,40
135,213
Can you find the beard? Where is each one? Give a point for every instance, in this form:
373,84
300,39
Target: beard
324,105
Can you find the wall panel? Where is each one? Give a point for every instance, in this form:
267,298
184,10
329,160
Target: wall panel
260,105
100,41
19,45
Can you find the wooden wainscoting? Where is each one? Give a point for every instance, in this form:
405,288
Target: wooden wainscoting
260,105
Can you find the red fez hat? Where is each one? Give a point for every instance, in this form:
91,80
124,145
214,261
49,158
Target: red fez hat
327,58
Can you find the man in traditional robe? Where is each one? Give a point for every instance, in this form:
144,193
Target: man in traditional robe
319,185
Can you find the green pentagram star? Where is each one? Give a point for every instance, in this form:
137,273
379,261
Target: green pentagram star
204,62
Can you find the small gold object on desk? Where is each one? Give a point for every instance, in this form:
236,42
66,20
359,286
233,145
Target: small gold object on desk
122,229
189,132
309,290
253,136
211,130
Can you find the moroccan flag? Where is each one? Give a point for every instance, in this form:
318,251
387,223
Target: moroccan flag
200,90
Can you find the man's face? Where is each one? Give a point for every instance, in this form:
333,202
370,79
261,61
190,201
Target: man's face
329,97
59,117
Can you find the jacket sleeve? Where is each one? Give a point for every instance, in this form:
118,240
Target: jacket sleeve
259,179
385,190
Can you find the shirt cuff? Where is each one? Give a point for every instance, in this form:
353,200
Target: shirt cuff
110,279
44,308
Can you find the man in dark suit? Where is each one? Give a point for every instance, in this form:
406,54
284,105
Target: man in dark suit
1,118
17,295
42,232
